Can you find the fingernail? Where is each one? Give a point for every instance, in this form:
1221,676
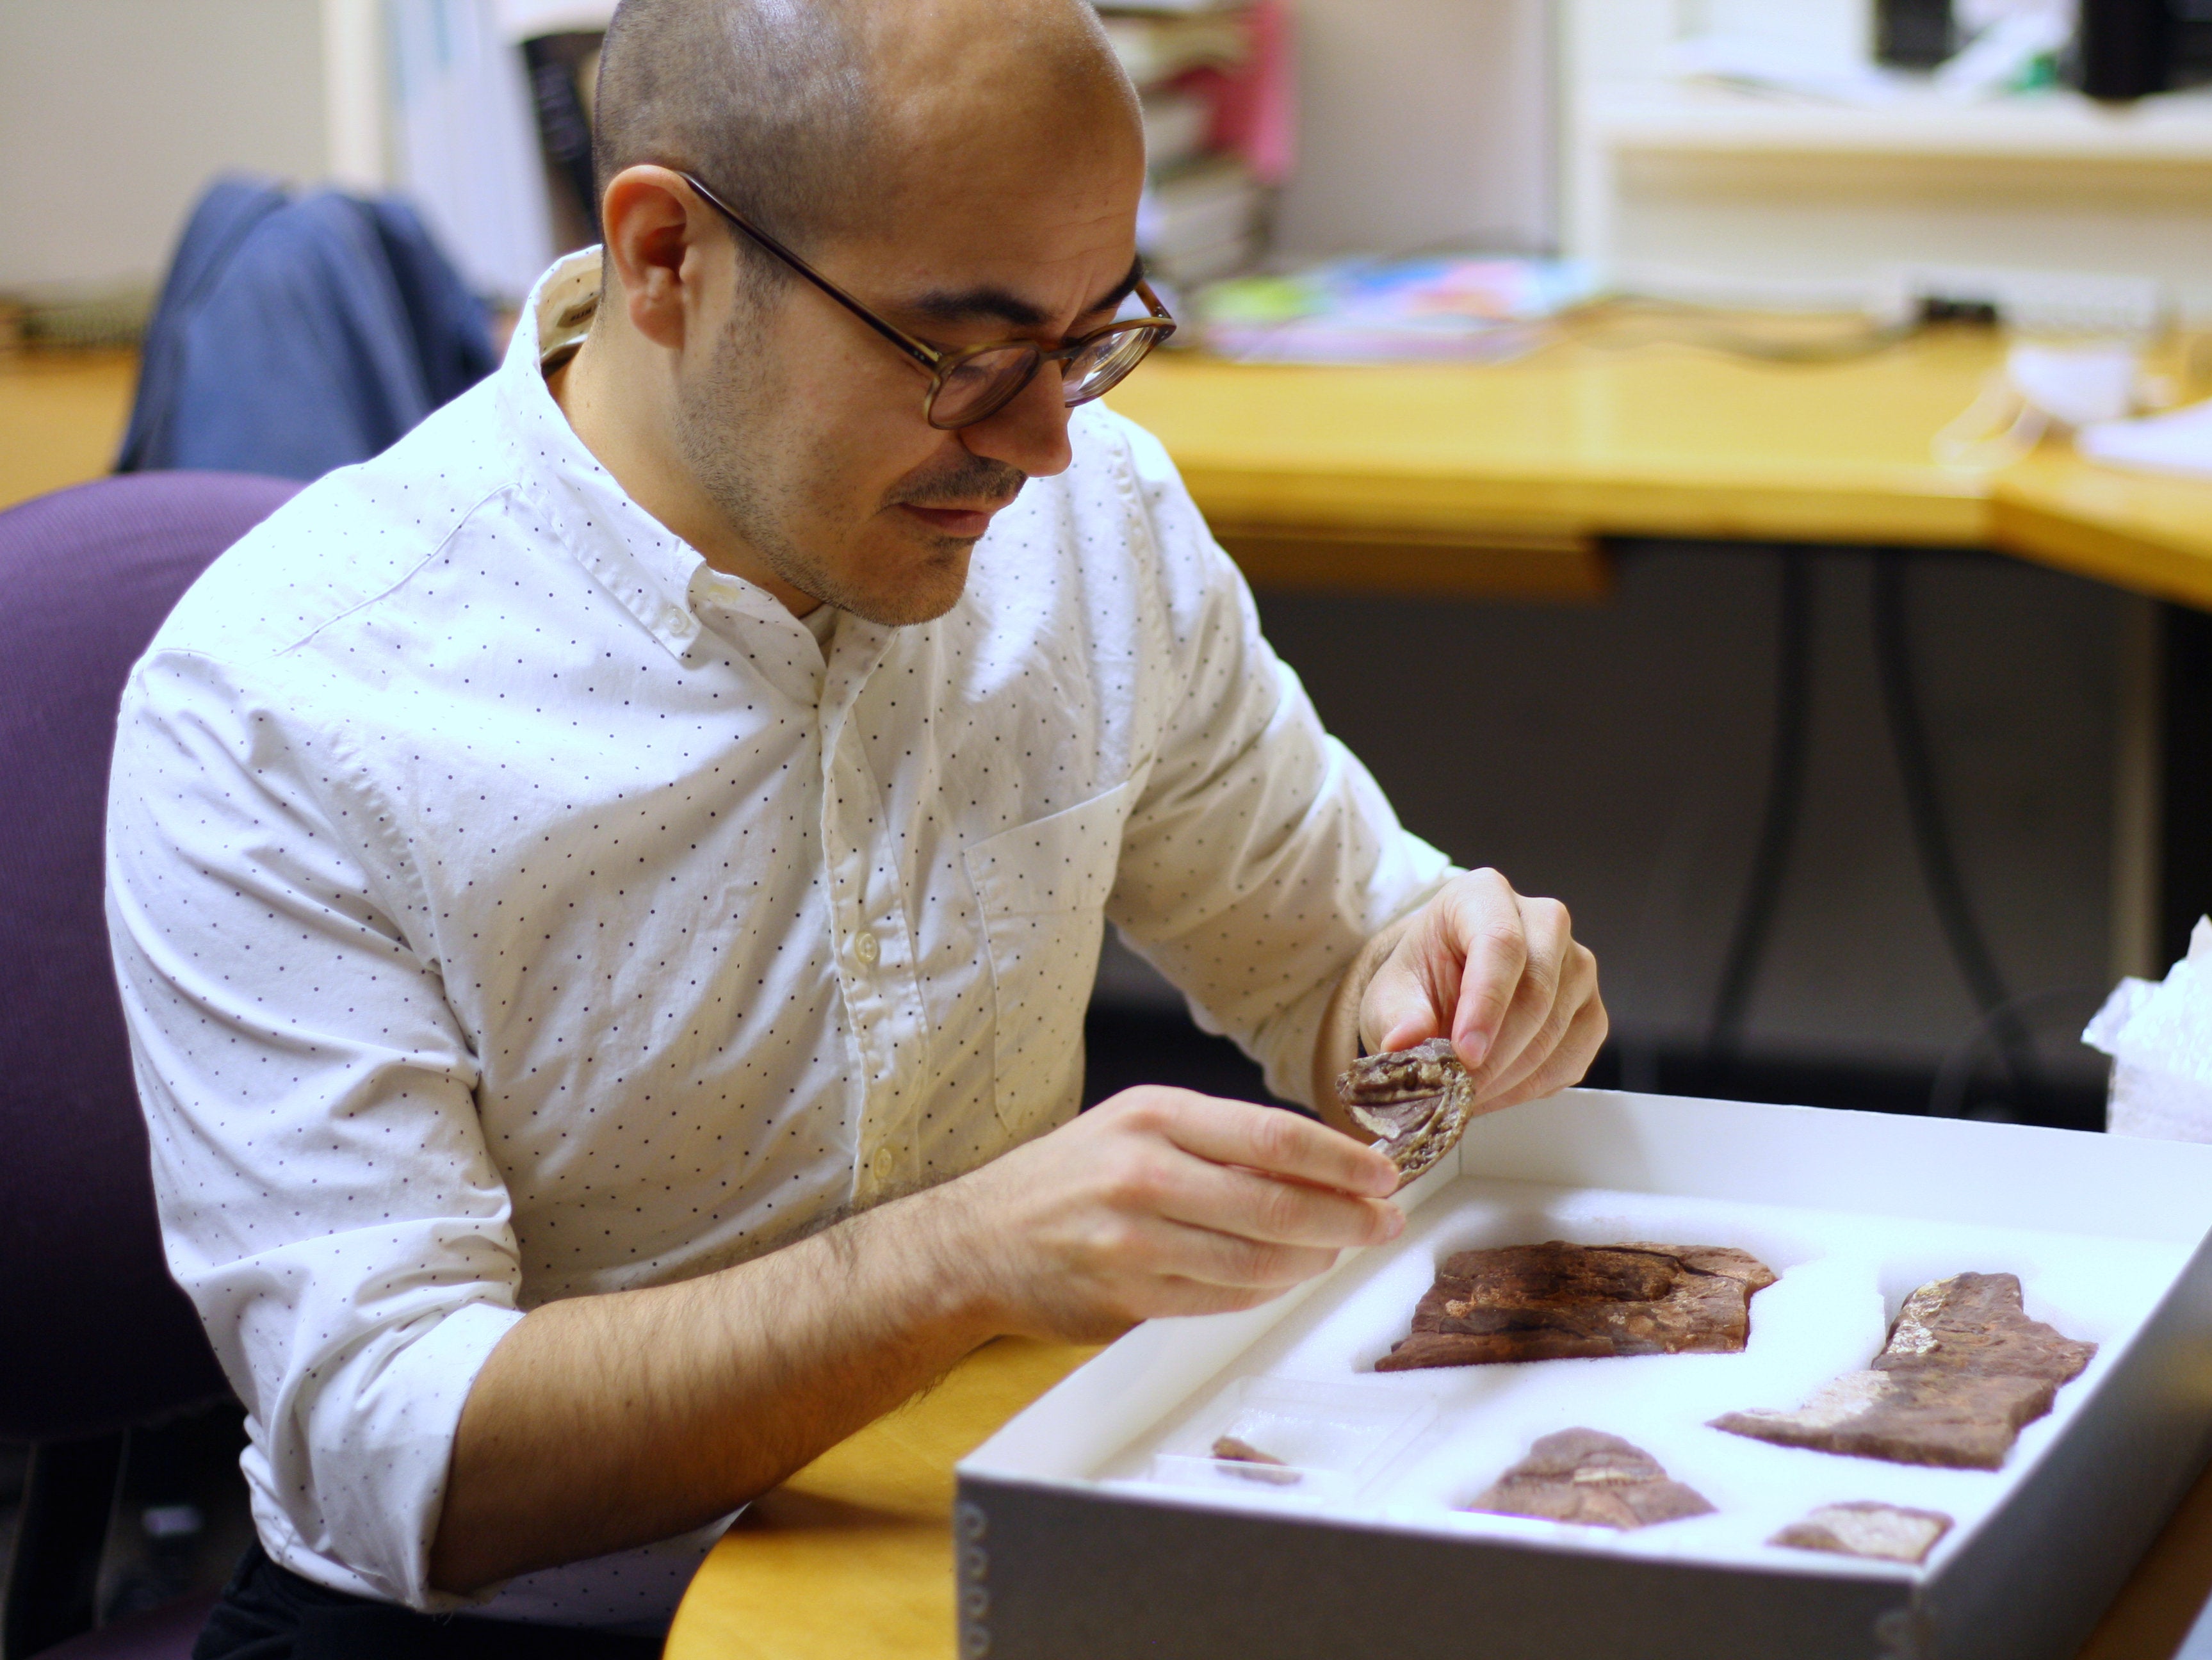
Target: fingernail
1394,1224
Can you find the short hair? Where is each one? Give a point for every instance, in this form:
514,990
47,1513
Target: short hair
770,101
778,104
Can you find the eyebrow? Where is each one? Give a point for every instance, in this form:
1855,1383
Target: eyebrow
969,305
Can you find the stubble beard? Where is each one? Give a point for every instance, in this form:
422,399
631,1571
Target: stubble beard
725,420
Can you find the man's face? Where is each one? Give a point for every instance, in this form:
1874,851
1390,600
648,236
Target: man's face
807,428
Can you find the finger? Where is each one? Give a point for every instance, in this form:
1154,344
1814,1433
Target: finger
1543,1043
1567,1062
1245,1205
1171,1249
1552,987
1270,1140
1489,936
1406,1001
1174,1296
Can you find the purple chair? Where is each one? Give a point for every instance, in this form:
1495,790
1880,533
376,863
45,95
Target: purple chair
95,1336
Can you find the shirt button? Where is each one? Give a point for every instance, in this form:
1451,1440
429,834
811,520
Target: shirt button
866,948
880,1165
676,622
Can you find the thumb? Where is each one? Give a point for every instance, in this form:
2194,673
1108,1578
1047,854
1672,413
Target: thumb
1405,1005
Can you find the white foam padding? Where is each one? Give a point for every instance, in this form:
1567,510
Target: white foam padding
1843,1278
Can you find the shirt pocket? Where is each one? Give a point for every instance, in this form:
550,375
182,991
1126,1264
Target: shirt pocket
1041,890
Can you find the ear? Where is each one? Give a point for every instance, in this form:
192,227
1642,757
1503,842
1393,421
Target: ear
658,238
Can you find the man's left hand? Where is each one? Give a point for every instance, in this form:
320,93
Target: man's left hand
1502,975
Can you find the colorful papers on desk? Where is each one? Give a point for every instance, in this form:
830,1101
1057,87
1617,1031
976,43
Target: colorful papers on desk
1444,308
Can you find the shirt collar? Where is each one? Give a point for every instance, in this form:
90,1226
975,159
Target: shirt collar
657,577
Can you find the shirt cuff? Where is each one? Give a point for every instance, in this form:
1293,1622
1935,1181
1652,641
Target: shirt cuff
381,1524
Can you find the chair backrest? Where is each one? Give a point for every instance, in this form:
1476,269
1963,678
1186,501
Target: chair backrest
94,1333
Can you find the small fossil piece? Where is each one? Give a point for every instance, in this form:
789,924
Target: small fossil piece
1246,1459
1889,1533
1417,1100
1964,1370
1560,1302
1593,1478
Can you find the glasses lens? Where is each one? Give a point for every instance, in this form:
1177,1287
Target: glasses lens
981,386
1102,364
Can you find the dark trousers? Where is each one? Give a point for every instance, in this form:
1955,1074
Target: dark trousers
268,1613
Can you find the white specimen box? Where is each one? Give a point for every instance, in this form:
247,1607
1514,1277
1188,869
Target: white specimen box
1095,1525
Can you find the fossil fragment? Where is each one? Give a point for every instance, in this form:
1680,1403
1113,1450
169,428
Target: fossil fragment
1417,1100
1244,1459
1964,1370
1560,1302
1590,1477
1889,1533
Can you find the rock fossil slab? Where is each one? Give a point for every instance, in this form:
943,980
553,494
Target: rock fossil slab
1887,1533
1593,1478
1560,1302
1242,1458
1417,1100
1964,1370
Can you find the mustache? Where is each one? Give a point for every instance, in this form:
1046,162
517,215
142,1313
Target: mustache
964,483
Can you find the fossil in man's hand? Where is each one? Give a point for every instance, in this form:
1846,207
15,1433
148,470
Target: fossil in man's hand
1417,1100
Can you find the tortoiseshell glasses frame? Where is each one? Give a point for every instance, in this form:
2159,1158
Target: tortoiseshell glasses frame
973,383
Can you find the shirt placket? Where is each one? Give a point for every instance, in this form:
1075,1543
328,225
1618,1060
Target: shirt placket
875,948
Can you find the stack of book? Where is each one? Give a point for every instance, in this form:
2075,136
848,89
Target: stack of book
1215,78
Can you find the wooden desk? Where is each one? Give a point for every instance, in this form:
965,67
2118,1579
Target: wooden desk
62,416
1501,481
854,1554
1526,465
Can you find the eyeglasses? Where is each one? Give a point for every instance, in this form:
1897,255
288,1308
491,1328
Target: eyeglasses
975,382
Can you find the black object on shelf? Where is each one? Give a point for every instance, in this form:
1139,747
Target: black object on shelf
1914,34
2125,48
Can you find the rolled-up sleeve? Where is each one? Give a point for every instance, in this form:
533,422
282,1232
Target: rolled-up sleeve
1261,855
326,1197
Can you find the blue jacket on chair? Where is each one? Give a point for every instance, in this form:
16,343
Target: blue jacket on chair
297,334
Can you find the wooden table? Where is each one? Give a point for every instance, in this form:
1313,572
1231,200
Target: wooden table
854,1554
62,414
1371,477
1504,480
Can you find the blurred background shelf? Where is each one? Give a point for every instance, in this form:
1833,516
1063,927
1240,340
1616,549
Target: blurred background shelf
2053,126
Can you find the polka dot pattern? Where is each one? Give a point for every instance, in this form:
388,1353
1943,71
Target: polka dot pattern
508,907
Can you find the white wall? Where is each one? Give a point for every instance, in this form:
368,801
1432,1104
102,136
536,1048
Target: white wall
1816,221
1423,122
115,114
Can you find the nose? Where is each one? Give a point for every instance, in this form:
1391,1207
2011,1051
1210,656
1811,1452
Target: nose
1030,432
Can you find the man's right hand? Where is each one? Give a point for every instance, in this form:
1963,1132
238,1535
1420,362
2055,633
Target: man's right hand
1163,1201
602,1422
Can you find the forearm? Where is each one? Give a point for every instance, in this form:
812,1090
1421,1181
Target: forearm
602,1423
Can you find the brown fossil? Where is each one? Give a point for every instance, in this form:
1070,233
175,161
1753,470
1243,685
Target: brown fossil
1590,1477
1560,1302
1417,1100
1964,1370
1889,1533
1254,1465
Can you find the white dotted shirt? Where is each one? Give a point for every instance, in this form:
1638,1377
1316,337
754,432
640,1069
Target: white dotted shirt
508,907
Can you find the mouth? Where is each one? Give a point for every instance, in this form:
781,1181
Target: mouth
953,521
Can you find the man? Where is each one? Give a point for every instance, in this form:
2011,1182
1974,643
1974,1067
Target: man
668,803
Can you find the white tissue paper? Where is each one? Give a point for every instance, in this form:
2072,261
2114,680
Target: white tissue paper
2160,1036
2179,442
